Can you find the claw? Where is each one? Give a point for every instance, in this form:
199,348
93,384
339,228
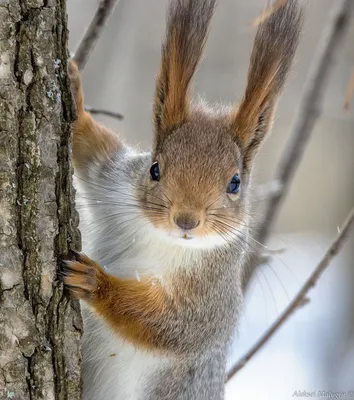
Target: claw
80,275
75,254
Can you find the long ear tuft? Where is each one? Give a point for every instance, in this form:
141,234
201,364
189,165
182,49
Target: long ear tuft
273,51
187,31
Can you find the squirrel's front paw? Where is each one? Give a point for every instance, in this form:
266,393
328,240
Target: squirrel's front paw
83,277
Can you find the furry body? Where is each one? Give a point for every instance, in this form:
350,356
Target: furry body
169,230
119,244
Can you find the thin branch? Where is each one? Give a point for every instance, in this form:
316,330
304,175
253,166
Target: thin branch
88,43
307,115
310,107
93,32
104,112
350,91
301,298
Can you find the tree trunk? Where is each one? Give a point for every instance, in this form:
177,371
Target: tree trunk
39,330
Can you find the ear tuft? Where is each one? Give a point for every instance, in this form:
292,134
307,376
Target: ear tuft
187,30
273,51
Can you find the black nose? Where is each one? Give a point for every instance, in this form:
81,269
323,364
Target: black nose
186,221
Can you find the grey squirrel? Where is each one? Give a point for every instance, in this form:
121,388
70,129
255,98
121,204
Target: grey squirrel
169,226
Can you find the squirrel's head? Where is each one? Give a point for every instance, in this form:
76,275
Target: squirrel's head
196,190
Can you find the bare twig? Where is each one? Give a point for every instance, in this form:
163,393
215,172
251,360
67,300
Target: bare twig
307,115
268,12
88,43
350,91
310,107
93,32
104,112
301,298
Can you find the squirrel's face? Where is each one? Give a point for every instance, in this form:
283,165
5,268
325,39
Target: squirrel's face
196,186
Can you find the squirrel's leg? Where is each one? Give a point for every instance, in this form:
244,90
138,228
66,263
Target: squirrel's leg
134,309
92,142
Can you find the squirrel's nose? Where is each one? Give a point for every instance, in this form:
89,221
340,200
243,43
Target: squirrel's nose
186,221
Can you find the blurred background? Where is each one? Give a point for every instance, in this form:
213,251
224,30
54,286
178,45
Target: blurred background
314,350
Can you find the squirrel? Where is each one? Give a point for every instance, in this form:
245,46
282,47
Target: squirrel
169,227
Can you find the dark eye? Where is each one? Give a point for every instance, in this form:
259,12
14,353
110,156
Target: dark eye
155,171
234,186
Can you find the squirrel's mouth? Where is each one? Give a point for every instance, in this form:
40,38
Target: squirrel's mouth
184,235
184,238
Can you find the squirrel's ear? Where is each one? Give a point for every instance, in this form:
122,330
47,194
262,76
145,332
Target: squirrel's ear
273,51
187,30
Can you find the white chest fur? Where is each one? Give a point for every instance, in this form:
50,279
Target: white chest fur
112,368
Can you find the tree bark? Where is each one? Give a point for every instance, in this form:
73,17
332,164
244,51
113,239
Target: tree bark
39,329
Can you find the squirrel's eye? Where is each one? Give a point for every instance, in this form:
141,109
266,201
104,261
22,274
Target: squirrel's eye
155,171
234,186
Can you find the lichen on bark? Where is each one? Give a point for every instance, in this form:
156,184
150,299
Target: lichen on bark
39,329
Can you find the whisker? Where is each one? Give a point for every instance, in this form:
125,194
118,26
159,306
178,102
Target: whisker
219,232
278,279
123,203
270,291
249,236
231,219
264,297
239,234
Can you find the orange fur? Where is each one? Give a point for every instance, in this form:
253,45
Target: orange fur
91,140
268,12
244,118
175,108
180,59
124,304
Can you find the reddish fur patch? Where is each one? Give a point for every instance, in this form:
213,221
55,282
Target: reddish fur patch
177,102
91,141
173,109
244,118
124,304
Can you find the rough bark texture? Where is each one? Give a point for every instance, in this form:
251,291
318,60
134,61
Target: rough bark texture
39,330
